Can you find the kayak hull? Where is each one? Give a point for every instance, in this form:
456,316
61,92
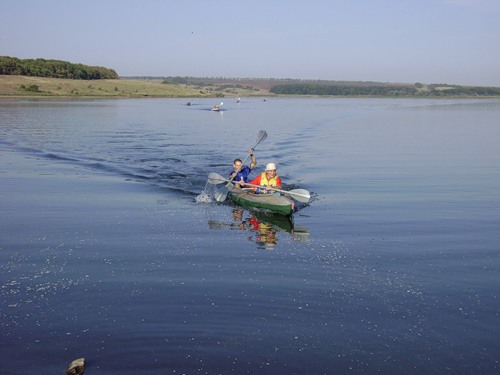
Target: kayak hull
275,203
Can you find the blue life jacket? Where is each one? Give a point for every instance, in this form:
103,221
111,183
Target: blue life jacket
242,174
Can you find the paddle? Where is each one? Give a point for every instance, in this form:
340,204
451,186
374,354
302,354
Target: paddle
301,195
261,136
222,195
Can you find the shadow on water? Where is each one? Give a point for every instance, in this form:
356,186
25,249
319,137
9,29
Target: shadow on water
261,227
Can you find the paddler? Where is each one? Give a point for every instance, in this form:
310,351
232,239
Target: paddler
240,172
268,179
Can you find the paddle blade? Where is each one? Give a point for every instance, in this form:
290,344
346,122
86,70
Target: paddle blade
221,196
300,195
261,136
215,178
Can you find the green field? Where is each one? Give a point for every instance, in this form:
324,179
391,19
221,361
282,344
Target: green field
22,86
12,86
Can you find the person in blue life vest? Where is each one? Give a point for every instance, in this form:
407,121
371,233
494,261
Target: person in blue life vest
240,172
267,179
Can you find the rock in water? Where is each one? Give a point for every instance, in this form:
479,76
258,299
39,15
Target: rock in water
77,367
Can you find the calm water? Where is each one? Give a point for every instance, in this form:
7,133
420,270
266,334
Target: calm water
109,251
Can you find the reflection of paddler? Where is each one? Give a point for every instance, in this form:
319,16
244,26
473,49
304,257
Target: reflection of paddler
267,236
237,215
238,218
254,223
278,221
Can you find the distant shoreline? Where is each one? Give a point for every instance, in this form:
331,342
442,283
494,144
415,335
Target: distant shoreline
16,87
23,87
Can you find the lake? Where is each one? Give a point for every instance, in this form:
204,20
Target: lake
111,248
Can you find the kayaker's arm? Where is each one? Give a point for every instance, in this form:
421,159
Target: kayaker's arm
279,185
254,160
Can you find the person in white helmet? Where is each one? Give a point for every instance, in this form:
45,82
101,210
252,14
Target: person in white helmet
267,179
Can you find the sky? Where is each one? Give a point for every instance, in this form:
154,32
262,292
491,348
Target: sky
409,41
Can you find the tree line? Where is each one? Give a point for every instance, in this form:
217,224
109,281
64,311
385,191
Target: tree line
384,90
53,69
342,90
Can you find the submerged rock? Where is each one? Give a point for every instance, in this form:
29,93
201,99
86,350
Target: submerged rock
77,367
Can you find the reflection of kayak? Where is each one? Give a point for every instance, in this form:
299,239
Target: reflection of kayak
278,221
256,221
275,203
262,226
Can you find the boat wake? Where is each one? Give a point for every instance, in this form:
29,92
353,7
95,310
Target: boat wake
204,197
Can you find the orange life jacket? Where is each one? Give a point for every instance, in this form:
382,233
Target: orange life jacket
263,181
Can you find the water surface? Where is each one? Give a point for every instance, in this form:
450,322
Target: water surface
107,252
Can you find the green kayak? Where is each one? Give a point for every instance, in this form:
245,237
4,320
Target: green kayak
275,203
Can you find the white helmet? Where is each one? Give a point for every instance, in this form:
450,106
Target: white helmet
270,167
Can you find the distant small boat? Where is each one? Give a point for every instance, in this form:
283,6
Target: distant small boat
216,107
188,103
238,100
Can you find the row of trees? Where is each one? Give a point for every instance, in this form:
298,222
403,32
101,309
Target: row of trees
53,69
436,90
342,90
383,90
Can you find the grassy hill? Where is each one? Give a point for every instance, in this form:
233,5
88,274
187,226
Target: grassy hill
23,86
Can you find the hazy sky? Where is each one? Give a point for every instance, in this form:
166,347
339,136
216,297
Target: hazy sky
428,41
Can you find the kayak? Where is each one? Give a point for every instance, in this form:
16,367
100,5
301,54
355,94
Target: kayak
275,203
216,107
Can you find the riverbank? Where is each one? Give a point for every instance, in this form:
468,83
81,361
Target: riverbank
28,87
15,87
22,87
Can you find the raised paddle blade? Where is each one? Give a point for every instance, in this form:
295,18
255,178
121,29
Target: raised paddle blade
261,136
